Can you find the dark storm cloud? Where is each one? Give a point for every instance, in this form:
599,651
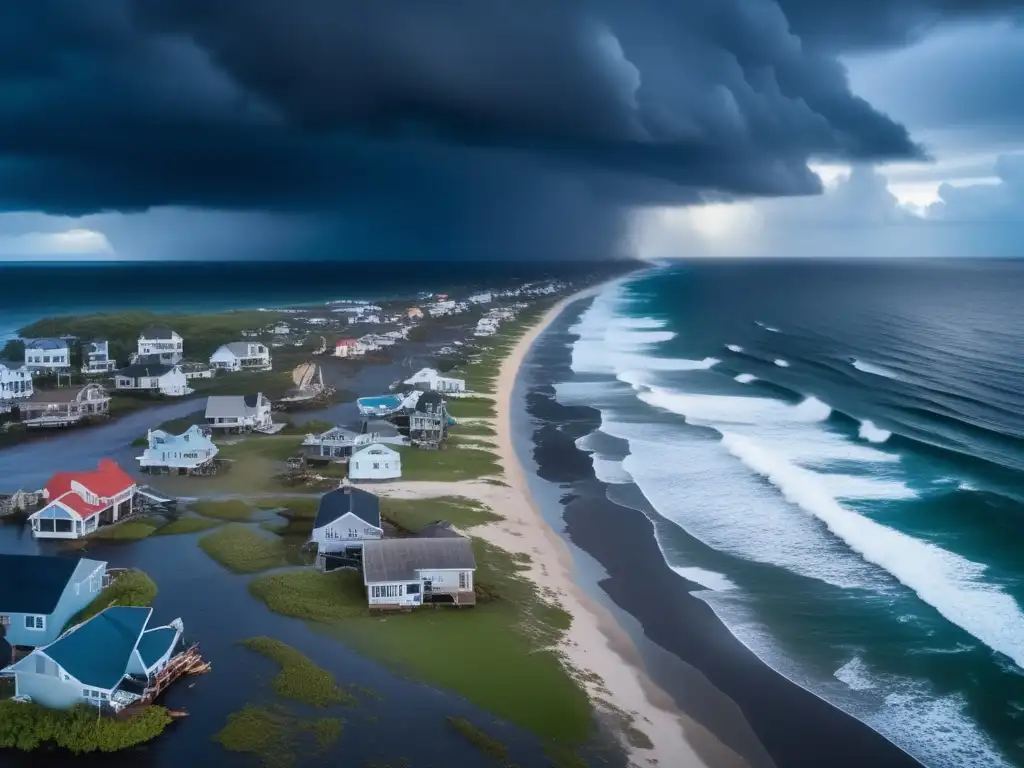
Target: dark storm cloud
505,127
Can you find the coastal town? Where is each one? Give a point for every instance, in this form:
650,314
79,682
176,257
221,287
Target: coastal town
336,505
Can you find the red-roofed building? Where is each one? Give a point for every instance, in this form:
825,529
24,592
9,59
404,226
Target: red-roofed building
348,348
80,502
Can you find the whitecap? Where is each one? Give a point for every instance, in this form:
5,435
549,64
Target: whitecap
854,675
781,363
868,431
734,347
745,378
766,327
707,579
875,370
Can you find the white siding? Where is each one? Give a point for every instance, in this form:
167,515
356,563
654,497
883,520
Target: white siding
394,593
347,531
448,580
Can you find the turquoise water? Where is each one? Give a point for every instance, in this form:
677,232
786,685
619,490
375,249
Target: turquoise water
835,455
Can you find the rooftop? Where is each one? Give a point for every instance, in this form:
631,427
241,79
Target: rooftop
154,643
35,583
232,406
157,332
138,370
60,395
108,479
401,559
341,501
97,652
45,344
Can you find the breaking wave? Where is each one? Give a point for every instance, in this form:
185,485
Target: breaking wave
745,378
781,363
868,431
875,370
734,347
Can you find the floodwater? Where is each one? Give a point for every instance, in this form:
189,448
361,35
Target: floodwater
407,721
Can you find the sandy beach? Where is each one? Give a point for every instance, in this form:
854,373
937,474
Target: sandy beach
600,654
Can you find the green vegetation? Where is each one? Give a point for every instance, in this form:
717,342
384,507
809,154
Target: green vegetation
273,384
232,510
273,735
203,333
472,408
130,588
187,525
563,757
306,427
30,726
501,655
450,464
491,747
475,429
241,549
412,515
131,531
275,447
293,506
299,679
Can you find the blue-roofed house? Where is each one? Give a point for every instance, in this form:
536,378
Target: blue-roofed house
108,660
39,594
47,355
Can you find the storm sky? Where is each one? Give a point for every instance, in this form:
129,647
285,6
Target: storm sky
510,129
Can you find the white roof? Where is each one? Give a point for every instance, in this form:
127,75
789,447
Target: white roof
376,449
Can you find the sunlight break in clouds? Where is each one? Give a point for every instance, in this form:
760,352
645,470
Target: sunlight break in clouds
71,242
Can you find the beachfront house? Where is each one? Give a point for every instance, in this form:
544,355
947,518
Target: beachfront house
161,378
78,503
375,462
485,297
41,593
238,413
486,326
96,358
107,661
242,356
346,518
65,406
428,421
47,356
187,453
408,572
15,384
430,379
348,348
167,345
196,370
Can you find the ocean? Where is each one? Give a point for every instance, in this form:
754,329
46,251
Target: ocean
833,456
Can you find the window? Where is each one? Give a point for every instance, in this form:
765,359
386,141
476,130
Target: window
412,589
376,465
35,622
463,580
5,621
353,533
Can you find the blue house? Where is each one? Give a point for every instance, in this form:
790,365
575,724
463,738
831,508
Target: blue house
108,660
38,595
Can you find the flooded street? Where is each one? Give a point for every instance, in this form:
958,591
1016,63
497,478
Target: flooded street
218,612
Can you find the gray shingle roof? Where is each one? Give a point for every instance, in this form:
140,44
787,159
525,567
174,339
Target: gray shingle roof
340,501
157,332
137,370
400,559
241,348
34,583
231,406
45,344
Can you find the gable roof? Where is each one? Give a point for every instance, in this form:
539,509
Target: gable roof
376,449
35,583
154,643
97,652
157,332
341,501
400,559
241,348
108,479
138,370
232,406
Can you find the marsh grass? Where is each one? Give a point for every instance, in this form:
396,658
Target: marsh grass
299,679
293,506
447,465
134,530
29,727
472,408
276,736
473,430
131,588
490,746
271,447
412,515
187,525
233,510
241,549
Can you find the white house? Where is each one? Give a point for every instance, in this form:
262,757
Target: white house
167,345
242,356
180,454
486,326
428,378
348,348
96,358
47,355
346,518
165,379
481,298
15,384
375,462
408,572
240,413
282,329
336,443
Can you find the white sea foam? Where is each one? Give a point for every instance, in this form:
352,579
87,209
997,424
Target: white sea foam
854,675
766,327
966,486
875,370
728,409
705,578
950,583
781,363
868,431
734,347
746,378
